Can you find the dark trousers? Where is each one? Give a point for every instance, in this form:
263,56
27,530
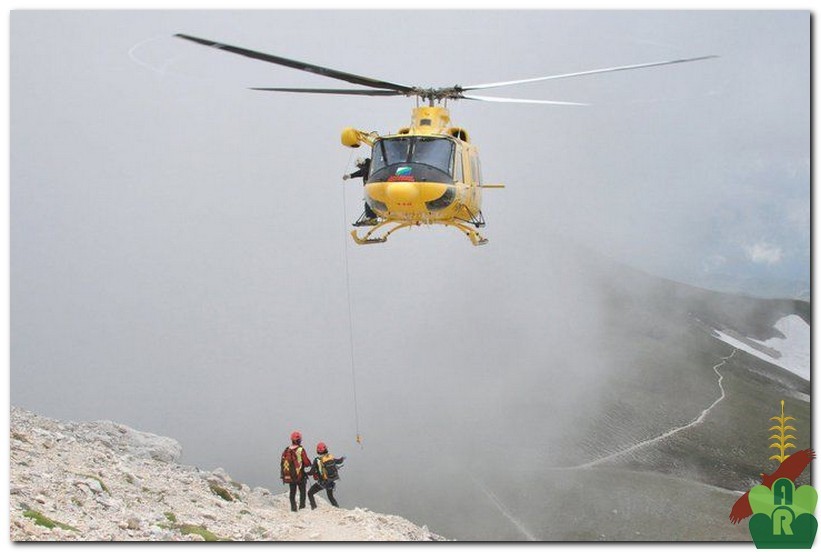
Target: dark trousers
292,495
315,488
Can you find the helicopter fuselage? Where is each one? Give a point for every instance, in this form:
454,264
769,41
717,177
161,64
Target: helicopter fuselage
423,178
428,173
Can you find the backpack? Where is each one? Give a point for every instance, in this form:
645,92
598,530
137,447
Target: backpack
290,465
328,471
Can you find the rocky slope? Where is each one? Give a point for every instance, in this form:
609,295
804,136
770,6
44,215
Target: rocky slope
104,481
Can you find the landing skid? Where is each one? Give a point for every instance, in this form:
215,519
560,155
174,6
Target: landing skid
372,236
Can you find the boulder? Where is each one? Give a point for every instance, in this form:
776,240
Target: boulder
139,444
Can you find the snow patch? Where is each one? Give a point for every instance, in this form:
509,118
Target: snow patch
792,352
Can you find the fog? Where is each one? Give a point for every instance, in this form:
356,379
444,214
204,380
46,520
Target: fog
178,242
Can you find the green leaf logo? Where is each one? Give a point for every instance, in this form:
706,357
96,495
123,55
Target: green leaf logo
783,515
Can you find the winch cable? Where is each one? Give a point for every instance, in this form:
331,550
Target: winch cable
350,309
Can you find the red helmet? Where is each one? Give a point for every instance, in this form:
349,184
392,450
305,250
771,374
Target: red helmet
321,448
296,437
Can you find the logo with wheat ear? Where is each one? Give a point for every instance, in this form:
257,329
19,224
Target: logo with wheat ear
781,436
782,515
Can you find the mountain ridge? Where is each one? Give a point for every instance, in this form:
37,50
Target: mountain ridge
103,481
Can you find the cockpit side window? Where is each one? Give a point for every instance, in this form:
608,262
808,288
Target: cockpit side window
458,173
475,169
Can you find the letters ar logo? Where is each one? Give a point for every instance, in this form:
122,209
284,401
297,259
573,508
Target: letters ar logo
783,516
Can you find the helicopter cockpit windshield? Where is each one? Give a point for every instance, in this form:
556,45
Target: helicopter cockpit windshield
414,158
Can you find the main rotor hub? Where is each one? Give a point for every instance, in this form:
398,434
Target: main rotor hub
434,95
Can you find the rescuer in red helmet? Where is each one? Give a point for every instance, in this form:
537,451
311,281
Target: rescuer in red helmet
292,469
325,470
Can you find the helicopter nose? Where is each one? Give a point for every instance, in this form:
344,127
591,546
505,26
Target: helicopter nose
402,192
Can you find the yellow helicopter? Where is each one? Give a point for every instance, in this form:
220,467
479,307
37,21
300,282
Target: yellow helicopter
428,172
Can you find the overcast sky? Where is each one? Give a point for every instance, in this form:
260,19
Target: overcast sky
683,170
177,240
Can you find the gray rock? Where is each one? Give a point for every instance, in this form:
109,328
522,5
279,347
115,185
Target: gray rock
132,442
133,523
40,432
156,447
221,474
107,502
94,485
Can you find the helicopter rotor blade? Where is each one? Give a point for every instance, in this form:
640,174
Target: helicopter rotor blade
301,65
581,73
515,100
345,91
